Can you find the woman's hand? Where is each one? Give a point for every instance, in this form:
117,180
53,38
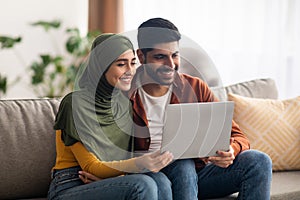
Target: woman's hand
154,162
87,177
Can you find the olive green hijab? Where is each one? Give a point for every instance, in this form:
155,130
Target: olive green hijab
98,114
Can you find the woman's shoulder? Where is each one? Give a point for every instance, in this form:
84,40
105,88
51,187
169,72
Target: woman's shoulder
76,100
68,98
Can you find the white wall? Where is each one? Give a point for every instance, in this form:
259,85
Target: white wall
16,15
246,39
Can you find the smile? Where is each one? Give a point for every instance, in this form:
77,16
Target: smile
166,73
126,79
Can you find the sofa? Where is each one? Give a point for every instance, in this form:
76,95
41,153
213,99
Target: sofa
28,144
253,95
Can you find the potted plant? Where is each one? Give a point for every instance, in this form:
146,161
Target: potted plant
54,75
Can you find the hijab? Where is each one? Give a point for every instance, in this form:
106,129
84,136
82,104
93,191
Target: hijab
98,114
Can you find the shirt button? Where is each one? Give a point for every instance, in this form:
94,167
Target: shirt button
148,140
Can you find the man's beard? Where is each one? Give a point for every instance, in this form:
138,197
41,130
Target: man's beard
163,69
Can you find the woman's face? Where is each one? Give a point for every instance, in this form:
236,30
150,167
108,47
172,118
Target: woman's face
122,70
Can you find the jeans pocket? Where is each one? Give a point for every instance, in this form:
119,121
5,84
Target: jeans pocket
62,181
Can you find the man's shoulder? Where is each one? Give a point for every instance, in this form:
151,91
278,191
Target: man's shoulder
191,79
187,76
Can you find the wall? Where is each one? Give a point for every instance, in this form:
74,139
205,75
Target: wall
16,16
246,39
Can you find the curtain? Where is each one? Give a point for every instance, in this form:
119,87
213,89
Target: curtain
106,15
246,39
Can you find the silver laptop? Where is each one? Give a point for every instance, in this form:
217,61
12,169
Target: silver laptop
194,130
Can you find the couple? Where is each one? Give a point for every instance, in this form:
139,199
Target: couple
114,115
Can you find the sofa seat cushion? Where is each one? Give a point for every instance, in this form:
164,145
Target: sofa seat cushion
285,186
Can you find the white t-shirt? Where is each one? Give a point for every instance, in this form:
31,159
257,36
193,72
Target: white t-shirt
155,111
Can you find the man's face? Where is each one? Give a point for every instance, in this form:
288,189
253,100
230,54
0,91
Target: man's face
162,62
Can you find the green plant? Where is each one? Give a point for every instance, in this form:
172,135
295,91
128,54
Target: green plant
3,84
54,75
7,43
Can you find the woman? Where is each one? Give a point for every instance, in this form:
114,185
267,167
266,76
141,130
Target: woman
93,132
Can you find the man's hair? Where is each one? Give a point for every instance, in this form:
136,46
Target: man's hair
156,31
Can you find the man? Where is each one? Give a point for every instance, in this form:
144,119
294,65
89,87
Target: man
157,84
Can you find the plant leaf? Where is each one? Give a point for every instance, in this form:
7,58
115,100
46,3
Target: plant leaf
47,25
39,72
3,84
9,42
46,59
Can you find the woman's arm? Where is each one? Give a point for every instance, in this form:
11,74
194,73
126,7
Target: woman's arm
102,169
154,162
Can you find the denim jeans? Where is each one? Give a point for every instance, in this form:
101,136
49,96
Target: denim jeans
66,184
250,175
183,176
164,185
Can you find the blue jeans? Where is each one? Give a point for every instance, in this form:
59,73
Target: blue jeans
183,176
66,184
250,175
164,185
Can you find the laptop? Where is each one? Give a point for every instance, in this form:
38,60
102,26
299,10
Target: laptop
193,130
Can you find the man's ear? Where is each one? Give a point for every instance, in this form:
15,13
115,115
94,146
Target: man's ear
140,56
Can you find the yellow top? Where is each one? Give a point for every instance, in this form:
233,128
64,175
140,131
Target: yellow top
77,154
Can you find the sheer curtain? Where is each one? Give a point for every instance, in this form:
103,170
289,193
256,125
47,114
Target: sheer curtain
246,39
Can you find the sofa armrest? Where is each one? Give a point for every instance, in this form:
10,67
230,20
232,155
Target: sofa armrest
28,147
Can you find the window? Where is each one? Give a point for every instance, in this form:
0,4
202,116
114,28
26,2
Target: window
246,39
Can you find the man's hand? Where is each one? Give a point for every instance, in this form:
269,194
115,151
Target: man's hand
87,177
224,158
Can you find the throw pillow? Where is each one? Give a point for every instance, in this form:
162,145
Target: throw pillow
272,126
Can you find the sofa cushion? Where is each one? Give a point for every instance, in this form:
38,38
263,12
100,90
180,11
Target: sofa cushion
285,185
272,126
196,62
28,147
258,88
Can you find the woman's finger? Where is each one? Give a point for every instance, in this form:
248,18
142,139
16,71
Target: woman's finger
88,176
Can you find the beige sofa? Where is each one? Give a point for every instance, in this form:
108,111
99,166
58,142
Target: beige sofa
27,145
285,183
